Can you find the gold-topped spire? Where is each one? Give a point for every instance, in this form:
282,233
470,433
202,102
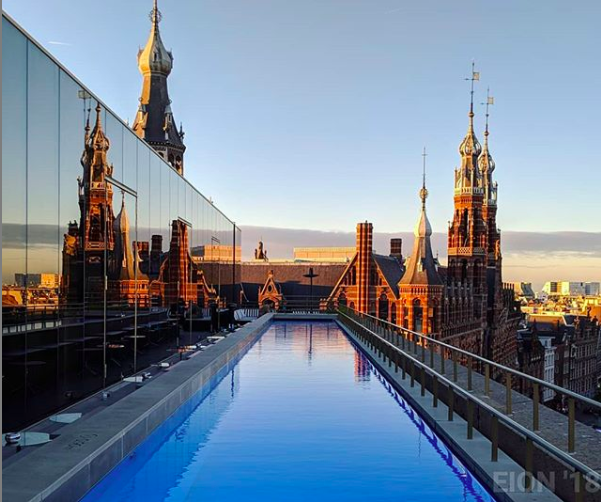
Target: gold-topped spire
486,163
423,228
423,193
470,145
155,58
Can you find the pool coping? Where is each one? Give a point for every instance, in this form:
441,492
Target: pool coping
474,454
69,466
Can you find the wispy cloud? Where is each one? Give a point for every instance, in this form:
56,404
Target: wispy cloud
56,42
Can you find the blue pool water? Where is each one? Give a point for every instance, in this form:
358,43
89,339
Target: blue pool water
302,416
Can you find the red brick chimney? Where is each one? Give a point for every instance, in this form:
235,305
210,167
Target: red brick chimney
396,249
364,255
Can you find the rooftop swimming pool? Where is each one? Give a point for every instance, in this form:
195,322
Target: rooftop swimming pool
302,416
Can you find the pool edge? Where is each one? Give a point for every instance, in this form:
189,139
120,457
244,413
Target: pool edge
69,466
475,453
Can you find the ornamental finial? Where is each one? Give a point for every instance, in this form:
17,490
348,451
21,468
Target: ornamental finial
423,193
155,14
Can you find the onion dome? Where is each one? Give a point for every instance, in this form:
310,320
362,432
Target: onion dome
470,146
154,58
485,161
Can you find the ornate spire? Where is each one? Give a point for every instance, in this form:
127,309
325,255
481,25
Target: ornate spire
470,145
97,139
486,163
467,176
421,266
423,228
154,120
154,58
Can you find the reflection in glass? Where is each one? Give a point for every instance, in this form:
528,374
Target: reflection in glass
102,240
14,229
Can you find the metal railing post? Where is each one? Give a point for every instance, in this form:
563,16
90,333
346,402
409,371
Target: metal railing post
455,376
571,425
508,400
423,381
578,487
494,439
470,419
529,461
487,380
434,391
535,403
442,364
451,404
431,349
469,373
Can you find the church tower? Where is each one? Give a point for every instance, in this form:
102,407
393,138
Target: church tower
498,345
96,193
154,120
467,240
421,289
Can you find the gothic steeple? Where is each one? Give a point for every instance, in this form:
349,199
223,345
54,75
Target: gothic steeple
467,176
154,120
421,267
486,162
95,192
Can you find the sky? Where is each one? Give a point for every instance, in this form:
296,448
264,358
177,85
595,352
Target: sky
313,114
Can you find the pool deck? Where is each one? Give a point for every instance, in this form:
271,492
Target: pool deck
503,478
86,450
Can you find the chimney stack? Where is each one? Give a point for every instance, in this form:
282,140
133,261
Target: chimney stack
396,249
364,259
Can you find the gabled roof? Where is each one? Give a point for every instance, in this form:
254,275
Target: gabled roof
391,269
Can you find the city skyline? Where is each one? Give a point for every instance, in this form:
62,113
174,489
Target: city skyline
397,161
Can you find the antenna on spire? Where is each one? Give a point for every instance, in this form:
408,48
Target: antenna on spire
490,100
423,193
475,77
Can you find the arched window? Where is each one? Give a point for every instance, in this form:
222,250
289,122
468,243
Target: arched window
418,316
393,313
383,307
405,316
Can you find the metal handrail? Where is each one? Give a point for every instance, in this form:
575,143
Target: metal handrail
452,348
575,464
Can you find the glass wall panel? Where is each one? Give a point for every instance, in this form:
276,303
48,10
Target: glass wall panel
114,132
14,224
42,227
143,218
68,231
74,333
